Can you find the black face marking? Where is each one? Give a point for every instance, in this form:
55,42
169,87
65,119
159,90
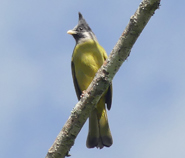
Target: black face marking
83,31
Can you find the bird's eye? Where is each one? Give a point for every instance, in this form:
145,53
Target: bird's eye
80,28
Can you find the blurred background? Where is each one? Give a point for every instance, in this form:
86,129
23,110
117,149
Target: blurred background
147,118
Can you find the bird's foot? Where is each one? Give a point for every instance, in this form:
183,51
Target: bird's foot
83,92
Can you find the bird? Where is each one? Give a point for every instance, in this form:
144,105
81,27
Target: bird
88,56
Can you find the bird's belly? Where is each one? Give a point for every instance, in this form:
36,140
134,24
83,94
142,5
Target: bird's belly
86,70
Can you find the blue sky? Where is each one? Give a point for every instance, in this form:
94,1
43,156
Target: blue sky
147,118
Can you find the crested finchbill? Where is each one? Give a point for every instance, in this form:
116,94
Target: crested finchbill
88,56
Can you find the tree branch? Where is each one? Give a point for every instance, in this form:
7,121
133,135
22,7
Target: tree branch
80,113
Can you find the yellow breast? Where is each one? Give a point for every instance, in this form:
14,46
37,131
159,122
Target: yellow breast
87,58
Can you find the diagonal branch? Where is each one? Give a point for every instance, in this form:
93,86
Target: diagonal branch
80,113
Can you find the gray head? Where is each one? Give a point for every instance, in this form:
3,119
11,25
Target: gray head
82,32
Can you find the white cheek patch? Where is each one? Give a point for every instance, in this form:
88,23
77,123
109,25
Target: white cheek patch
87,36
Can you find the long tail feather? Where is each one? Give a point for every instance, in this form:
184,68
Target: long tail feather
99,132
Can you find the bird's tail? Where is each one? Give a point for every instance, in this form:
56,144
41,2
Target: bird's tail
99,132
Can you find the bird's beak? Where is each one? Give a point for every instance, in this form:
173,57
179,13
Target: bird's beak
71,32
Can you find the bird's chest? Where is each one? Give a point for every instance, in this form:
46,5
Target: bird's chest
86,63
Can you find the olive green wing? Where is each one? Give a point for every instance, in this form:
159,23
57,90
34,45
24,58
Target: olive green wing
77,88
